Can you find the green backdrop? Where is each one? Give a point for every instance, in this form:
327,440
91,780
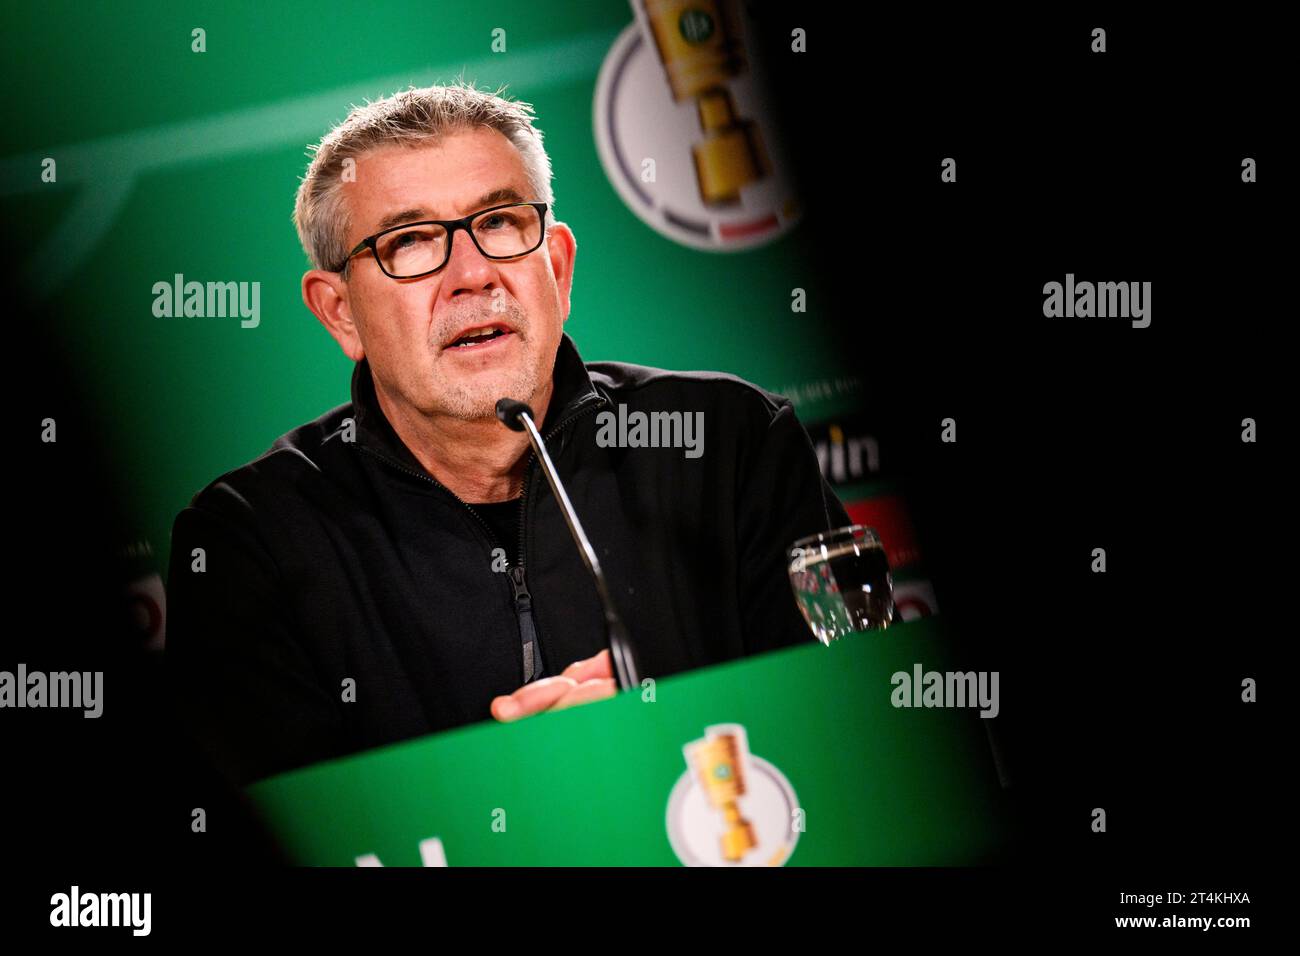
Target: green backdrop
171,161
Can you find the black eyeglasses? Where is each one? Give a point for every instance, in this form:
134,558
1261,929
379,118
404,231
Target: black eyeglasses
417,249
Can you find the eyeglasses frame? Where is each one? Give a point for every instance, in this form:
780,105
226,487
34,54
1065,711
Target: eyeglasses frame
451,225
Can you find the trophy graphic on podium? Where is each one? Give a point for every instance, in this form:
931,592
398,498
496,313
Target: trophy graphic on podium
718,766
730,807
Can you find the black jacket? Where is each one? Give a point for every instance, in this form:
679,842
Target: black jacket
335,556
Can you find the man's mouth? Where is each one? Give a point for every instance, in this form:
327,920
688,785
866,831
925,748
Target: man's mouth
472,338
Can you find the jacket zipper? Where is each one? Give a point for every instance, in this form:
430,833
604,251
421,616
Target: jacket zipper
527,629
522,598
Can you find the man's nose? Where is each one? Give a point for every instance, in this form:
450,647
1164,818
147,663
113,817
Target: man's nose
468,270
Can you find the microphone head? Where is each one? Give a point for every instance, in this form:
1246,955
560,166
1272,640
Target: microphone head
509,410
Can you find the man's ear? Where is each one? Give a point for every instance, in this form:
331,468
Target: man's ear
562,248
326,294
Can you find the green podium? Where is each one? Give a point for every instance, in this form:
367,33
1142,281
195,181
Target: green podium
793,757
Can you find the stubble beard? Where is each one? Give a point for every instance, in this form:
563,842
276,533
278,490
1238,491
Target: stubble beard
477,399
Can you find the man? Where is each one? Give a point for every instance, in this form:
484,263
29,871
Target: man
399,566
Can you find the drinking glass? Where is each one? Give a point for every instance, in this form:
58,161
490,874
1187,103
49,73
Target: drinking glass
842,583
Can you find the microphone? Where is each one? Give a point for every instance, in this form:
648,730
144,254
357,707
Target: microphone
517,416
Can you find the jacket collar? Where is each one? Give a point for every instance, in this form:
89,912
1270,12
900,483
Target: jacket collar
573,390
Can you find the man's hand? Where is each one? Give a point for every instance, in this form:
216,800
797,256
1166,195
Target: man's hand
581,681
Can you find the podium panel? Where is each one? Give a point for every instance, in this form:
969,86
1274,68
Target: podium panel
793,757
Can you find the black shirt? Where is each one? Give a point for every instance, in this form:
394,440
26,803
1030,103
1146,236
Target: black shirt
503,518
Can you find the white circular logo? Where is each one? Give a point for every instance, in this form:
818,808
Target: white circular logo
702,168
731,808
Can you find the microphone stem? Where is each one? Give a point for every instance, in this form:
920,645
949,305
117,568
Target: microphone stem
620,649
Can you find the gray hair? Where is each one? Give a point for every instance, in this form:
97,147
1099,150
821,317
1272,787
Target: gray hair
412,117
